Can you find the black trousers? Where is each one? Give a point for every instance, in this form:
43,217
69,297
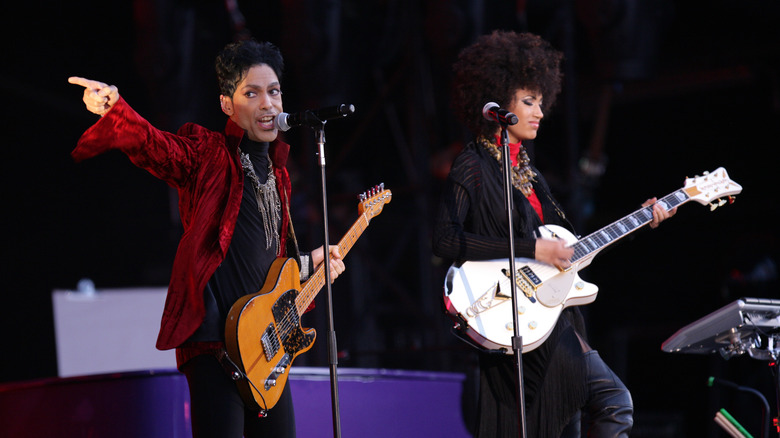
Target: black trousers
217,411
608,413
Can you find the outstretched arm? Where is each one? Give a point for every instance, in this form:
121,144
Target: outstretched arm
98,97
170,157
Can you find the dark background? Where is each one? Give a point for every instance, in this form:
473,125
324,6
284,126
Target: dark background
656,90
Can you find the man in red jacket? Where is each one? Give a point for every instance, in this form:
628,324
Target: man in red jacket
234,197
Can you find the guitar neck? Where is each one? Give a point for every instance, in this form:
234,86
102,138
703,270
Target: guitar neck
589,245
312,286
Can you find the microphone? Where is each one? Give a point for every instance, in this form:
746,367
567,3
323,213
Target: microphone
313,118
495,113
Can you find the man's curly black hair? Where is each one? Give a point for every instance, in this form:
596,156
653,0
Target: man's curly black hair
235,60
495,67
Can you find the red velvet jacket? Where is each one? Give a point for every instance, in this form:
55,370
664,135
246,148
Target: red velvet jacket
204,167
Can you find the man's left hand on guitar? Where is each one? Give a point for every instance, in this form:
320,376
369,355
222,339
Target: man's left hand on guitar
660,214
336,261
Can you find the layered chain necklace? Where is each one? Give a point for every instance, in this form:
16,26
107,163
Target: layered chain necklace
522,175
268,203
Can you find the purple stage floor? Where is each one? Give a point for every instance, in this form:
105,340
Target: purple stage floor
149,404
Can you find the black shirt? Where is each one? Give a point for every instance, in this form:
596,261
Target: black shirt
247,261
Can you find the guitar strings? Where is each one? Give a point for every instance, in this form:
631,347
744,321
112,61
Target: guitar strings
288,322
582,248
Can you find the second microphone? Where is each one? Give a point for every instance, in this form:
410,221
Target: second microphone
495,113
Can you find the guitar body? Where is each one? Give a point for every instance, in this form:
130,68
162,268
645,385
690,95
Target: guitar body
263,335
478,297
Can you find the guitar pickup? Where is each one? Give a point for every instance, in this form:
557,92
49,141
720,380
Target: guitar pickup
278,370
526,280
528,274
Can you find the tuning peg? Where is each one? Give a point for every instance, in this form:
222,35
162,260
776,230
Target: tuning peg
732,199
719,203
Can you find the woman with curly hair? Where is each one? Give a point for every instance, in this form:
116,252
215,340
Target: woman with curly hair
566,384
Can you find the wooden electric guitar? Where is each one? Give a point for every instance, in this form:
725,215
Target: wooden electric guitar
263,334
477,294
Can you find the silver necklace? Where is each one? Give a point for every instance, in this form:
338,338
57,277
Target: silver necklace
268,203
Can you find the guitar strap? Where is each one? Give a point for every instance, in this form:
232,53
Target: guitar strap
292,243
556,206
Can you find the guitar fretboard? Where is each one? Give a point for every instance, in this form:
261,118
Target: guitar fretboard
596,241
313,285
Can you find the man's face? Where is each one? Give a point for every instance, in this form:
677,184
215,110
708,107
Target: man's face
255,103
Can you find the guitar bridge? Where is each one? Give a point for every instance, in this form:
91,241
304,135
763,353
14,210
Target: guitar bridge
270,342
277,371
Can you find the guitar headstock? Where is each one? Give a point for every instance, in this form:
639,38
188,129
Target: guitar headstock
373,200
714,188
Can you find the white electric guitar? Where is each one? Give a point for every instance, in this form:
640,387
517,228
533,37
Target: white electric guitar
477,294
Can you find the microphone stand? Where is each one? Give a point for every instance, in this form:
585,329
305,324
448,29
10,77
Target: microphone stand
517,339
332,350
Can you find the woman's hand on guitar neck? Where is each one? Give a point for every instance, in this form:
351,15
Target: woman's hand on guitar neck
660,214
554,252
